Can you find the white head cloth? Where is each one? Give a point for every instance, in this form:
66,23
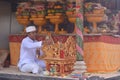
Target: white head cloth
30,29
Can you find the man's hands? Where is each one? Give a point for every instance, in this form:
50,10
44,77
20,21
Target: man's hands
37,52
47,42
39,55
43,43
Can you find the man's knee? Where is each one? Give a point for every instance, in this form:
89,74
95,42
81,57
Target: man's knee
43,65
35,68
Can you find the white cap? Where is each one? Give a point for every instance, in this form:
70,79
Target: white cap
30,29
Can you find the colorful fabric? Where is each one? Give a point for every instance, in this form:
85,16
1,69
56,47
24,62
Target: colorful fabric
101,53
79,28
103,38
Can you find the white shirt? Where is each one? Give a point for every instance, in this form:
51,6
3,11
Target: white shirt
28,51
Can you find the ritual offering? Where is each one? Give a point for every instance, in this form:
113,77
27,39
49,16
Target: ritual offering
22,14
71,13
59,47
60,55
94,13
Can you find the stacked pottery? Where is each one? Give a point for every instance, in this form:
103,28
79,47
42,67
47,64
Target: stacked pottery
79,67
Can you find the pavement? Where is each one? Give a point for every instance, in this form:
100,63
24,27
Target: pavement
12,73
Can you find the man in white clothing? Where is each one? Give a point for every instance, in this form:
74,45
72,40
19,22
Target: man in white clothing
28,61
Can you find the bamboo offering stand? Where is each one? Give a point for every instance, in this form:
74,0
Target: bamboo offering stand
39,21
94,19
73,20
55,19
95,14
23,20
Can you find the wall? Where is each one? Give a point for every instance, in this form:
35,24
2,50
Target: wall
8,24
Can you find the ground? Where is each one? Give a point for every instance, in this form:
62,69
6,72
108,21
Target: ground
12,73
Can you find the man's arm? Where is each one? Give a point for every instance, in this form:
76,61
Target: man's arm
34,45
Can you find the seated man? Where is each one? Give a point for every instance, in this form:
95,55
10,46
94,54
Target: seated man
28,60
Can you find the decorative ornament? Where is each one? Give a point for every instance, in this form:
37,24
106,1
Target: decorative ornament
79,28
